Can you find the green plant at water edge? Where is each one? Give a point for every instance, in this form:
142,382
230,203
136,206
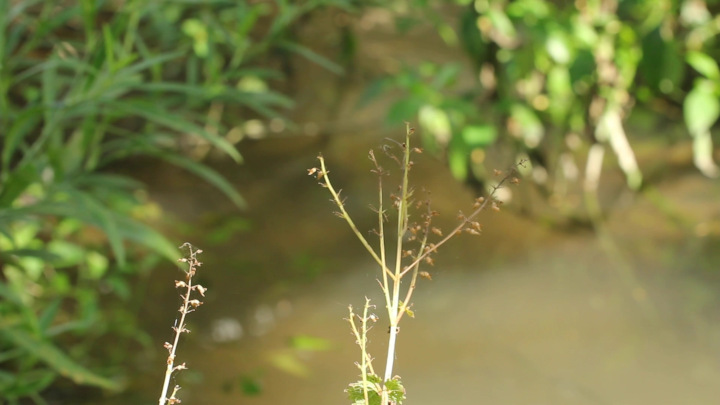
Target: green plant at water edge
85,86
415,241
188,305
558,82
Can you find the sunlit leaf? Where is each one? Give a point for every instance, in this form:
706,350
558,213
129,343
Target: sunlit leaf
704,64
310,343
68,253
479,136
437,122
197,30
252,84
458,158
558,47
701,107
531,127
501,22
289,363
97,264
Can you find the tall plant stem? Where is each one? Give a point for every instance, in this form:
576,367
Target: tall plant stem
401,228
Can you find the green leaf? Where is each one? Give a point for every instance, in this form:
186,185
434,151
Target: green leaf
85,206
404,110
437,122
207,174
97,265
356,391
703,154
532,128
146,236
48,314
396,391
446,75
458,158
156,114
22,125
17,182
250,386
197,30
36,253
479,136
703,63
701,107
289,363
558,47
312,56
69,254
59,361
501,22
310,343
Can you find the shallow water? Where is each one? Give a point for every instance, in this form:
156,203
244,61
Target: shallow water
523,314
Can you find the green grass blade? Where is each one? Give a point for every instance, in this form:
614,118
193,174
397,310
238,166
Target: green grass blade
59,361
209,175
312,56
158,115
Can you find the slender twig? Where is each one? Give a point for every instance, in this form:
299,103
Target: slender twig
187,306
324,174
381,230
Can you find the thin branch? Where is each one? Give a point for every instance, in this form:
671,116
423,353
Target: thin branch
336,198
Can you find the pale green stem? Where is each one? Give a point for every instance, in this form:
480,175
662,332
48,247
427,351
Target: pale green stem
401,228
346,216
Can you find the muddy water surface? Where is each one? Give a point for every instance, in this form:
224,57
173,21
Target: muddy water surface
523,314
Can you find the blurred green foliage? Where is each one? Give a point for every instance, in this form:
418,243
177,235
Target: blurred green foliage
558,81
85,85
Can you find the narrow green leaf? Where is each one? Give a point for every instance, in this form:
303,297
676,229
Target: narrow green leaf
158,115
312,56
458,158
99,215
109,47
310,343
479,136
17,182
146,236
106,180
36,253
207,174
48,314
59,361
